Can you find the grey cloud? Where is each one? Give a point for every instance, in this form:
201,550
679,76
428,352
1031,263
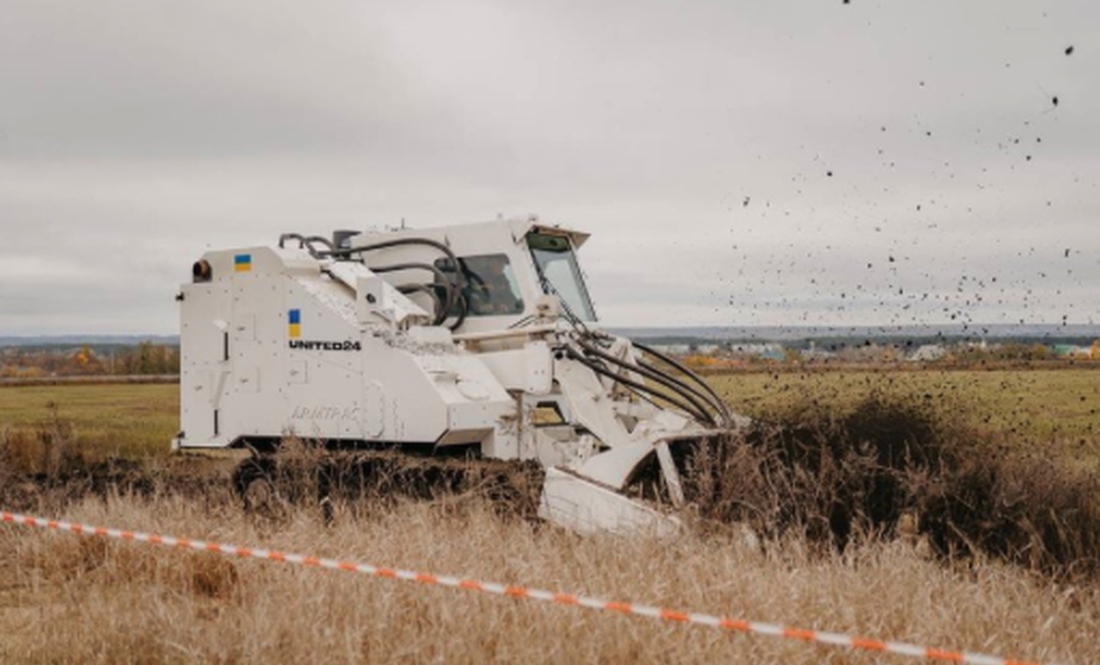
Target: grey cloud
135,135
202,79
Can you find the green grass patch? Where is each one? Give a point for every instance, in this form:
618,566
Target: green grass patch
1054,412
133,421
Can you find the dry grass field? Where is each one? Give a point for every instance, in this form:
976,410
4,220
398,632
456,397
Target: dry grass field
126,420
69,599
73,600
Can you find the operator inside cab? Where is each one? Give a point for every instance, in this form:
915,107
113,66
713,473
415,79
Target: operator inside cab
491,288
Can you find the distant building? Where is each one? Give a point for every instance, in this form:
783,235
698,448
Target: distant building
1071,351
927,352
813,354
757,351
674,349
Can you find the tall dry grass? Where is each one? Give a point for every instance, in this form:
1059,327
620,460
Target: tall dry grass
829,492
71,599
840,475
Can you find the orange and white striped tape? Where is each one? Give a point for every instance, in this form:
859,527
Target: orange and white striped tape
651,611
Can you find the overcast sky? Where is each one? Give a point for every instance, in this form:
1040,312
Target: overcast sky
738,163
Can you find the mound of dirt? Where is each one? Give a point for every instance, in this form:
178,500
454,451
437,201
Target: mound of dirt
300,473
202,480
890,467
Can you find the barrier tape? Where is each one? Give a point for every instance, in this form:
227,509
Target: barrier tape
520,592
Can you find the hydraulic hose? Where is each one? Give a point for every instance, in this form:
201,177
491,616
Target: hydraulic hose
684,391
442,312
695,378
684,401
455,300
671,382
321,239
640,387
463,309
306,242
406,289
718,406
396,242
290,236
458,281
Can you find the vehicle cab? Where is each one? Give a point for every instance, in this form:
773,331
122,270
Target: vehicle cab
508,268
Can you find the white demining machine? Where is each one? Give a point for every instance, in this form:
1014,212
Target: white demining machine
477,339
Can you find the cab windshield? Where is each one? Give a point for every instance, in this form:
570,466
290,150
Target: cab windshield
557,266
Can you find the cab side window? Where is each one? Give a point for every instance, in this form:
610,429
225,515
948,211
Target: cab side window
491,287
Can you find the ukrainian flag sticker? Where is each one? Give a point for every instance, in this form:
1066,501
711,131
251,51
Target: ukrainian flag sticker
242,263
294,323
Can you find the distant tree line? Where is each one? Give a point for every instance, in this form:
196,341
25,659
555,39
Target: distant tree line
717,357
145,358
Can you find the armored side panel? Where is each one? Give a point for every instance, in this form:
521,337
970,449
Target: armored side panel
274,342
